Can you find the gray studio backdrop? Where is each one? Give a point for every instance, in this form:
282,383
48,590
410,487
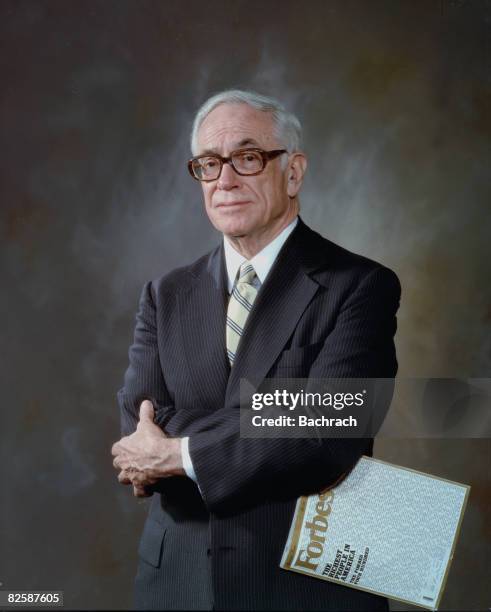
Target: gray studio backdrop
96,103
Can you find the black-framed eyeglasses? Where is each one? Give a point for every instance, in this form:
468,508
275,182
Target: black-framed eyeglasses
246,162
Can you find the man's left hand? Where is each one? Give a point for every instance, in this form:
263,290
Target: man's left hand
147,454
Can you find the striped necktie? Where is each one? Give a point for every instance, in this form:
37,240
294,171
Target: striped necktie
240,304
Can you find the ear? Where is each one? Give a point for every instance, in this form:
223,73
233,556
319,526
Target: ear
295,172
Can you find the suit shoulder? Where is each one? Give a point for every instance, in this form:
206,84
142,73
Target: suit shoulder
356,262
353,267
181,278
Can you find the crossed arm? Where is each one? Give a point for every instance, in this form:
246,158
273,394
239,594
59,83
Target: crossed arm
231,470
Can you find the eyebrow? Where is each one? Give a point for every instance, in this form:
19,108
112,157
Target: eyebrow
243,143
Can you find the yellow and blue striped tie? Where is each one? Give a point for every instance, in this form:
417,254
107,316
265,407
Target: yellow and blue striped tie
243,295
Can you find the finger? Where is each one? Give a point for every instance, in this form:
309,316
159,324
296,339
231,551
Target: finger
141,479
124,478
141,491
117,462
146,411
138,479
115,449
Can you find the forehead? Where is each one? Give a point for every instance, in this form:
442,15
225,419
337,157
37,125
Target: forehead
228,126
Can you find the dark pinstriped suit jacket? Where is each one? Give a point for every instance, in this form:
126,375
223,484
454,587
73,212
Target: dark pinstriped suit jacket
322,312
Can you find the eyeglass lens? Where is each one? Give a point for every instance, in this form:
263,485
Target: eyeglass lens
245,162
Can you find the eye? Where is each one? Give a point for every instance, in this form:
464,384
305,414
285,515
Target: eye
248,157
209,163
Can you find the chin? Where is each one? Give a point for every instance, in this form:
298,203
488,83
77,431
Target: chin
233,232
233,227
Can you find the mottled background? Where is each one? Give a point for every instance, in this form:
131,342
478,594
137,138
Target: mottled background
96,103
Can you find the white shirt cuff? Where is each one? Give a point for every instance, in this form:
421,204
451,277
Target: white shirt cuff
187,464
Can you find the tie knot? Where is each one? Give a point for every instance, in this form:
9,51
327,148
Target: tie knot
246,273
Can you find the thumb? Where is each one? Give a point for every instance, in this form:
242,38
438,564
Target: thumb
146,411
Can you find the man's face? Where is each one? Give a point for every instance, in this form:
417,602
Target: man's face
244,205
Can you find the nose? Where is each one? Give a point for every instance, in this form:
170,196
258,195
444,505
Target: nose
228,178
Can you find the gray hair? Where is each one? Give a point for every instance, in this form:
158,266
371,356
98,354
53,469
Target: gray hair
287,126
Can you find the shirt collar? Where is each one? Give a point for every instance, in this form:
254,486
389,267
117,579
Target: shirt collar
262,261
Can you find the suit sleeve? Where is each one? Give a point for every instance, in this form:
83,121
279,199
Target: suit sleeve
143,378
235,472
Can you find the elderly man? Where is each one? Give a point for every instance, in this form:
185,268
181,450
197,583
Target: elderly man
273,300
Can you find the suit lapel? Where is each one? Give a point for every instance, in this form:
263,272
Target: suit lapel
286,292
202,313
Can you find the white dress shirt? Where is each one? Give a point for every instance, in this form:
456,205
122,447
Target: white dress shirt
262,263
